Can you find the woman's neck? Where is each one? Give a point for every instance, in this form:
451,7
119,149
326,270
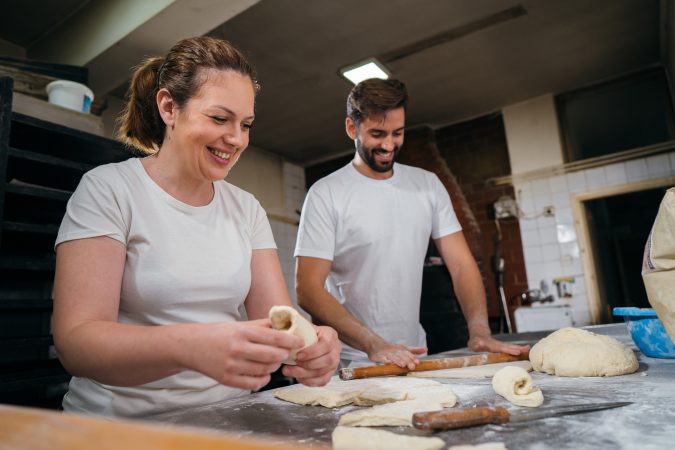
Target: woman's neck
175,178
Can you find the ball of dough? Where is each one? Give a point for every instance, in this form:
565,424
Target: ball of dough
572,352
515,384
287,319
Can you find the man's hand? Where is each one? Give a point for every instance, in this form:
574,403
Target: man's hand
401,355
486,343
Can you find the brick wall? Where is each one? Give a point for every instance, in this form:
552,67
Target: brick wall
420,151
474,152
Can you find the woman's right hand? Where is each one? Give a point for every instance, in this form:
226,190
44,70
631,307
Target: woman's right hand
239,354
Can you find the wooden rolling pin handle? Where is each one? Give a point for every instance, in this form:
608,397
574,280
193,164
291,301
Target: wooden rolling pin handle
468,417
429,364
372,371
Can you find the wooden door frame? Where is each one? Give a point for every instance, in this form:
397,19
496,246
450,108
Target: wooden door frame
577,200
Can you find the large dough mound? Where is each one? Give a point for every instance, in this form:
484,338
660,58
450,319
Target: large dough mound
571,352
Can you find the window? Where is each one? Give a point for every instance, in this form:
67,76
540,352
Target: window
629,112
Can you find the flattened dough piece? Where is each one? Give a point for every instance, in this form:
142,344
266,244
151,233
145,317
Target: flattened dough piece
442,394
486,371
572,352
364,392
287,319
349,438
387,390
515,385
486,446
389,415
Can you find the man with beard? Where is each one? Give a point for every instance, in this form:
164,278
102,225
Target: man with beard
364,232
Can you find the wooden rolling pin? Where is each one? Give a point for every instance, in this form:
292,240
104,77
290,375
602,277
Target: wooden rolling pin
430,364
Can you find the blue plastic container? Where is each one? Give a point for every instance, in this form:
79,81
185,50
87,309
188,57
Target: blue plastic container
647,332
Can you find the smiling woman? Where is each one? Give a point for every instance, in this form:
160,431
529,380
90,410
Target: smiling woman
156,256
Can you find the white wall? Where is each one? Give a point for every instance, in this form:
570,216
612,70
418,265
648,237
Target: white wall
532,134
109,116
279,186
261,173
550,244
285,233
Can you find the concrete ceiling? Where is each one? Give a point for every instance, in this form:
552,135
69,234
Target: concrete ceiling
459,58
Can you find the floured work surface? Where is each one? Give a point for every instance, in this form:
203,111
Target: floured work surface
647,424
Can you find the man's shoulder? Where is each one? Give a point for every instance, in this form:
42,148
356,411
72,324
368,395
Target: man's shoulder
412,169
414,172
334,179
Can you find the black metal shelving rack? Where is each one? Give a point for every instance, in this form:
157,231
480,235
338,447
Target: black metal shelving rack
41,164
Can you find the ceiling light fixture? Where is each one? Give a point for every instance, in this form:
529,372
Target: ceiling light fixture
370,68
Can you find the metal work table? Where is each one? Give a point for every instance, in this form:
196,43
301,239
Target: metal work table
649,423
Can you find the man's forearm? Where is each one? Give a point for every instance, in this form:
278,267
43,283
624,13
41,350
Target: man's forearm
325,309
471,295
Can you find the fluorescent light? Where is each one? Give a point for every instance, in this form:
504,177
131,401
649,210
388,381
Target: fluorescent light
370,68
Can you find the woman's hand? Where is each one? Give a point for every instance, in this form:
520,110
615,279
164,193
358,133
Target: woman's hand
240,354
317,364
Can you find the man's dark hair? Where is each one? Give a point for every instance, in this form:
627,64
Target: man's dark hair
375,96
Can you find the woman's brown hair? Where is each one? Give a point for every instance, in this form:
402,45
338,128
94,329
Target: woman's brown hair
181,73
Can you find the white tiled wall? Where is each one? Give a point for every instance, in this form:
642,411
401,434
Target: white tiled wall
550,244
285,234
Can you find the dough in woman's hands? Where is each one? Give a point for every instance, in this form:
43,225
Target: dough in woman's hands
571,352
285,318
348,438
515,385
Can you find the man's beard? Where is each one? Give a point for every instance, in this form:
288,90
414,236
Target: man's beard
368,155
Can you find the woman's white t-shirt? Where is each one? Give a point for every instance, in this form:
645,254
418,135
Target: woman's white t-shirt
184,264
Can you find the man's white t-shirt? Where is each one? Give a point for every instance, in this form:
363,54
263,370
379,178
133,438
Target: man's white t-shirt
376,233
184,264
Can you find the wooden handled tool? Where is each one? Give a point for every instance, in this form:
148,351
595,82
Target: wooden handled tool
430,364
483,415
460,418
